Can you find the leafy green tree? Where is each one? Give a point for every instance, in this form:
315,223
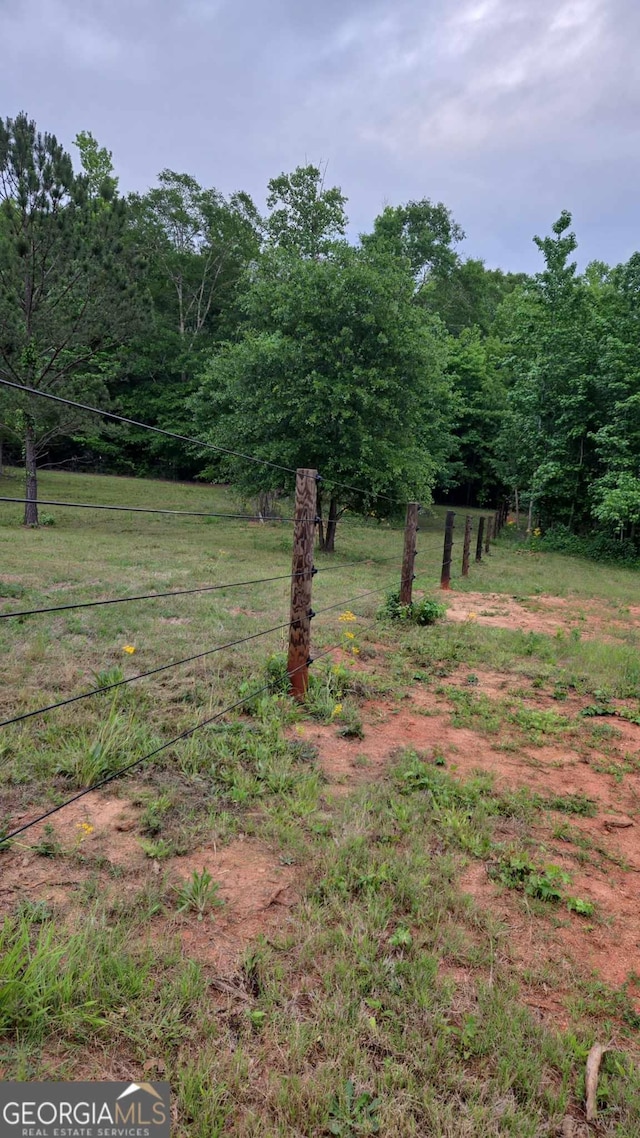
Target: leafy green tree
478,385
66,300
423,233
336,369
97,166
616,492
196,244
470,295
551,355
305,217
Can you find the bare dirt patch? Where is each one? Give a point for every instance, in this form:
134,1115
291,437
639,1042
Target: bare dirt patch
258,893
545,614
98,843
606,874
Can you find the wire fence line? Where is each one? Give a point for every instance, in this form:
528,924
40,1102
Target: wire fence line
304,523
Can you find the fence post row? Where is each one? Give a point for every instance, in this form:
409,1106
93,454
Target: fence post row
409,555
301,579
445,576
466,548
489,535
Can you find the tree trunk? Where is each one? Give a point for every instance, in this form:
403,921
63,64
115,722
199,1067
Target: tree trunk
31,477
332,522
517,509
320,520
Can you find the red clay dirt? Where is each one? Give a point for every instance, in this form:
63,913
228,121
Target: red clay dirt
257,890
609,944
551,615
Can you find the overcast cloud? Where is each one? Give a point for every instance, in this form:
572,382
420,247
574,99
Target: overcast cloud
506,110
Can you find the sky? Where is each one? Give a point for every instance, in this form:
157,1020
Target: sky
508,111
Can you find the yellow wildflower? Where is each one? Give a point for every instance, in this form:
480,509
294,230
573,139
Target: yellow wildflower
537,532
347,616
350,635
129,649
356,651
472,616
337,709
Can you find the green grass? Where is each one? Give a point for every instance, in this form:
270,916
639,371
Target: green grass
351,1021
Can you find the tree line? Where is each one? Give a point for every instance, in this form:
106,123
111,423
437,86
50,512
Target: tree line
393,364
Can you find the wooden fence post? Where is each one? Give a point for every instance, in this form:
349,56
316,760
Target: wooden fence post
466,548
409,557
301,578
496,524
487,540
445,576
479,541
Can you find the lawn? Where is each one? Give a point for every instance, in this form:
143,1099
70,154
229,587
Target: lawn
407,907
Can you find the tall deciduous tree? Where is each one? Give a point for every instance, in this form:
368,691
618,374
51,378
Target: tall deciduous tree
424,233
337,369
305,217
65,297
97,166
551,355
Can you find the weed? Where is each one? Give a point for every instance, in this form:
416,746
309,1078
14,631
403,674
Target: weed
571,804
108,676
517,872
350,722
578,905
34,912
49,844
353,1114
198,893
157,848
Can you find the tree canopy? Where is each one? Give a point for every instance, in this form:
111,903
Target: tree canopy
393,363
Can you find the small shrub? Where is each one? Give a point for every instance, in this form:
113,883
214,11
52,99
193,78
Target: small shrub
46,519
423,612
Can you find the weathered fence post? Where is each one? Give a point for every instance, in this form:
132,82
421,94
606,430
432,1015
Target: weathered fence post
409,556
479,541
466,548
487,540
445,576
301,578
496,524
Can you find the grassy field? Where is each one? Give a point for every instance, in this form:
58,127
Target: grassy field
407,907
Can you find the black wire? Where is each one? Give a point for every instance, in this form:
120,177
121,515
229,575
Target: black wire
360,490
188,592
145,426
151,754
141,675
144,510
360,561
151,596
350,601
174,664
